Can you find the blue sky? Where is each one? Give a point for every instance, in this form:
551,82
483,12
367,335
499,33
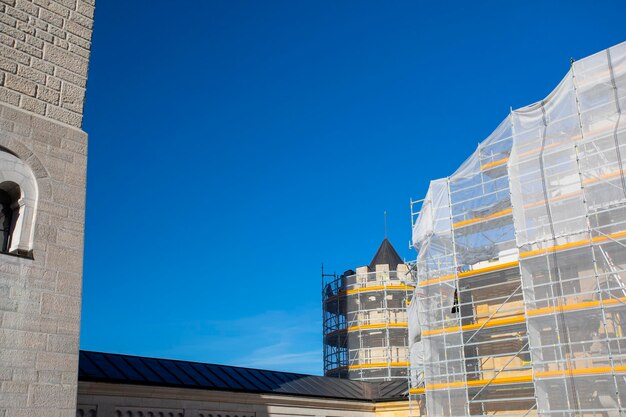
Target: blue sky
234,146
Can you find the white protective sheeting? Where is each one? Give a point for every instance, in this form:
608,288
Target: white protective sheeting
569,198
415,342
431,219
520,307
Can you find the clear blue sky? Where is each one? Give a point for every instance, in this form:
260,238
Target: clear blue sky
234,146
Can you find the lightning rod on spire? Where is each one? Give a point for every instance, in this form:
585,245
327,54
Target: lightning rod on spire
385,220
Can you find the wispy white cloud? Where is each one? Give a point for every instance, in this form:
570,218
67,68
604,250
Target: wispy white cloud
277,356
288,342
279,340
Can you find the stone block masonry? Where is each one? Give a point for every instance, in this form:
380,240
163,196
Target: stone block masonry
44,58
44,55
40,297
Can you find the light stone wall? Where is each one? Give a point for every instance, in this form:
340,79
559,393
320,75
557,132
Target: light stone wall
44,55
44,51
97,399
40,298
395,409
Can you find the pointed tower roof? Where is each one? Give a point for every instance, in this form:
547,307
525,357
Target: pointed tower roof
386,255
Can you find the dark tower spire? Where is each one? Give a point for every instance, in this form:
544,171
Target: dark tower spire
386,255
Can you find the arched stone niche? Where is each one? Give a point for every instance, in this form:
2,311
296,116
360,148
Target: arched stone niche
18,180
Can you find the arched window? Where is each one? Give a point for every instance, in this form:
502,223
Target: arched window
18,204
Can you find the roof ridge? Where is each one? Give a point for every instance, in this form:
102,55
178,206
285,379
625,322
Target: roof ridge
198,362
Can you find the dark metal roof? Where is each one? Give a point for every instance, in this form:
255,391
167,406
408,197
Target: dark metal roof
392,390
386,255
126,369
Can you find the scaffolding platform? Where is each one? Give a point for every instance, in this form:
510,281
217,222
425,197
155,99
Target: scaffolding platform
365,322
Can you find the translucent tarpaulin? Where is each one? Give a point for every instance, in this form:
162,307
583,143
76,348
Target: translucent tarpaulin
569,205
520,297
466,242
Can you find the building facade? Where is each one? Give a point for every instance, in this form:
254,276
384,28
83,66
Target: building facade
521,297
365,323
44,56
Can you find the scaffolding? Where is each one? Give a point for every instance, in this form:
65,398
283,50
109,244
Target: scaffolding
365,323
520,303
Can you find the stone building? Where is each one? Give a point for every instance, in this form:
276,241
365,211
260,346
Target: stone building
44,56
365,322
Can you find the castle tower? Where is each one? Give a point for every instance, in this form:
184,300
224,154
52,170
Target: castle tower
44,55
365,322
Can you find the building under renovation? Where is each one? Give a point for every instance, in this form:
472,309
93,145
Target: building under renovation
365,322
520,304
